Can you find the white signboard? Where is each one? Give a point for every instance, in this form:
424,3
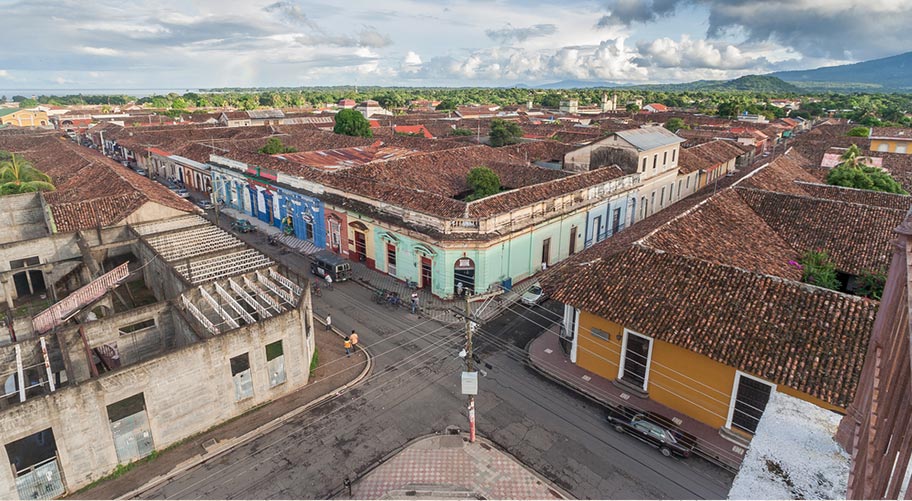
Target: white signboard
470,383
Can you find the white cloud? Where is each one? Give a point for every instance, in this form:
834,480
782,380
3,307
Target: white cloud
411,63
100,51
4,74
688,53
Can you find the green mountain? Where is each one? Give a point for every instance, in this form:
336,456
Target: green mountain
747,83
892,73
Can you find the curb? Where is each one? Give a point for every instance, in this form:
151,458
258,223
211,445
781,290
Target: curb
228,445
478,438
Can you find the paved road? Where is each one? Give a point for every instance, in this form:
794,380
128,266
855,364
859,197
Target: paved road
414,390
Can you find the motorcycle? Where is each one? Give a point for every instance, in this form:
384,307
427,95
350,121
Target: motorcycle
316,290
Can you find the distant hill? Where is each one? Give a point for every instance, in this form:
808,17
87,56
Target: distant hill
579,84
748,83
892,73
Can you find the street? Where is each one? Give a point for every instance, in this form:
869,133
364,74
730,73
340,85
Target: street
414,391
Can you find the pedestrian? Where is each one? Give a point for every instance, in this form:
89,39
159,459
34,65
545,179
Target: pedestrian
348,346
329,281
414,301
329,322
348,485
459,289
354,339
544,266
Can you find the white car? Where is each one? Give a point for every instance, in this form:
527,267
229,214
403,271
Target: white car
532,296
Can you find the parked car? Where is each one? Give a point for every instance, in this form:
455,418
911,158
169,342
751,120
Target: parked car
141,172
653,429
181,192
205,204
532,296
242,225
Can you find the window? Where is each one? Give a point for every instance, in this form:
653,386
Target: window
635,355
616,222
749,399
644,164
652,200
665,158
900,148
546,251
308,229
391,259
883,147
662,197
240,373
679,187
275,363
687,182
601,334
23,263
671,187
138,326
673,155
655,161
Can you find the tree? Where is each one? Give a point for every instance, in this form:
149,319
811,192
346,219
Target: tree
632,108
274,145
179,104
859,132
460,131
674,124
864,177
483,181
28,103
504,133
352,123
448,104
17,175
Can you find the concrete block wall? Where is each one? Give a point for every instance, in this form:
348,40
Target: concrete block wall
186,391
24,218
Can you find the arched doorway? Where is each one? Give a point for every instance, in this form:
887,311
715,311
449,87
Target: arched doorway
464,274
29,282
335,233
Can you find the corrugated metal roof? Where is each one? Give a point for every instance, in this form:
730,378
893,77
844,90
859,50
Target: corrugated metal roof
258,114
648,138
187,161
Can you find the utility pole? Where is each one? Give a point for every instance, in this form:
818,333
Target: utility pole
469,367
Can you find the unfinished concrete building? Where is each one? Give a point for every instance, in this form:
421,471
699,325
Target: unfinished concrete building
157,331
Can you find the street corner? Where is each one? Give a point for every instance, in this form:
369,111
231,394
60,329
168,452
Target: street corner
448,466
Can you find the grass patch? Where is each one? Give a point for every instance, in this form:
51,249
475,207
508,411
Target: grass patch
121,469
314,361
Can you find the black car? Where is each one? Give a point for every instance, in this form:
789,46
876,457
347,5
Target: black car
652,429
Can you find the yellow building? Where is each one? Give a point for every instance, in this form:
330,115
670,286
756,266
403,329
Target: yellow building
712,337
891,139
23,117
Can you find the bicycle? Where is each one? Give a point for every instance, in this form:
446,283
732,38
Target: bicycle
315,289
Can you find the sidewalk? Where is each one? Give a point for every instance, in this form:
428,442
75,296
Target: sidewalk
334,374
449,467
547,357
431,306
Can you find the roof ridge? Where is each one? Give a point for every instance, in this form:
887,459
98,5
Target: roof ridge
819,199
775,278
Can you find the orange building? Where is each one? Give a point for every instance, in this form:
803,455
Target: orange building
23,117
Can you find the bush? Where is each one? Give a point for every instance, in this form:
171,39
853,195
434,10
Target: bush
463,132
274,145
817,269
859,132
871,284
314,361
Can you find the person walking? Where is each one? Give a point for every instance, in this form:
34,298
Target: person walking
459,289
329,281
348,346
329,322
354,339
414,302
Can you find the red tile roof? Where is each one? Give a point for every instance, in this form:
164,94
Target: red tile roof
413,129
807,338
707,156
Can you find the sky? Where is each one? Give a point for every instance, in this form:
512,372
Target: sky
123,44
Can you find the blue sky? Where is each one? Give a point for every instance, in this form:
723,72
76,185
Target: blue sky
207,43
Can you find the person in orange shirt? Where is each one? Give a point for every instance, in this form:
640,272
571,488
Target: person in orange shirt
354,339
348,346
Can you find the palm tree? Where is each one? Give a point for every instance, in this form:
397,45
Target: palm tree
17,175
852,158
